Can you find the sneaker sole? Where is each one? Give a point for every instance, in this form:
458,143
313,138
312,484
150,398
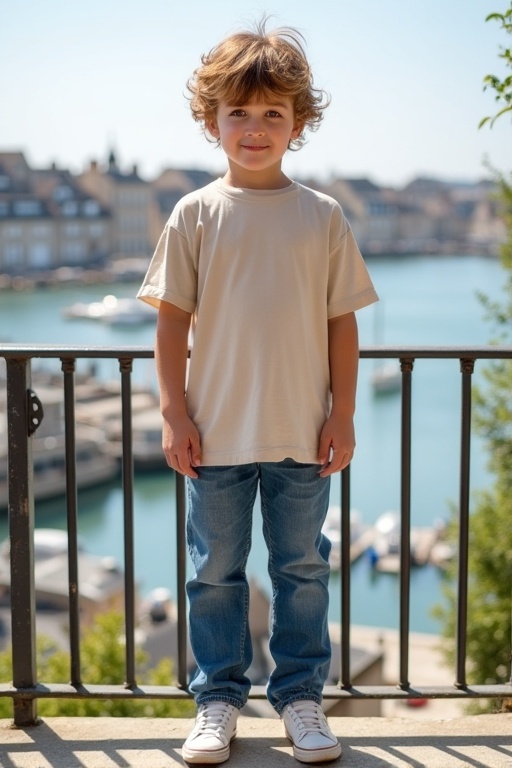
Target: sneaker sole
315,755
205,757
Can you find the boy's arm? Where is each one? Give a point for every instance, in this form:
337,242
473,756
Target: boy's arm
337,439
180,438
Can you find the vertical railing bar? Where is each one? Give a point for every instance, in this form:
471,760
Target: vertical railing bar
181,566
125,366
466,367
68,369
21,533
345,566
406,365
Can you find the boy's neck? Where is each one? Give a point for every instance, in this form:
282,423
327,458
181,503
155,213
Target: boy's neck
270,178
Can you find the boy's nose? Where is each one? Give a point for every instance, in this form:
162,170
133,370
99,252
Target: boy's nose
255,129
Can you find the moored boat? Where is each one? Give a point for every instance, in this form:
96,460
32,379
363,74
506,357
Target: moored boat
113,311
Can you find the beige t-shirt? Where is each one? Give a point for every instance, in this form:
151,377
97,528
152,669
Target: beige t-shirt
262,272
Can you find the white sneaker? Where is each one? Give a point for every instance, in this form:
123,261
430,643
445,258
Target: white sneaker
212,734
306,727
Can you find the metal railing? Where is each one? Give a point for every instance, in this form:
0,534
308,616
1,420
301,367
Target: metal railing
24,415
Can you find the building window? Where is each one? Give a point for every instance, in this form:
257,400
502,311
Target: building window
13,255
91,208
27,208
73,230
12,230
96,229
132,196
4,208
70,208
74,252
131,224
39,255
61,193
41,230
5,182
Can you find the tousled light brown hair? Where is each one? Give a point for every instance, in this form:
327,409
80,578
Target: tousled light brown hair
258,63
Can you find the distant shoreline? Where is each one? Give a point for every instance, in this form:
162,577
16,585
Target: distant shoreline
66,276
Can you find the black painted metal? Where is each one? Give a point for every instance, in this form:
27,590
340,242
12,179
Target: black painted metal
125,366
345,677
67,691
68,368
21,533
21,419
181,570
466,368
35,412
406,365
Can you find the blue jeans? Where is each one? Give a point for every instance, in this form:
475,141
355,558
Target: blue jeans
294,502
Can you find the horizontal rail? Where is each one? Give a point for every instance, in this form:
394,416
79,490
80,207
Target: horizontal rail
483,352
67,691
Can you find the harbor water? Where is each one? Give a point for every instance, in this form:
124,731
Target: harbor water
425,300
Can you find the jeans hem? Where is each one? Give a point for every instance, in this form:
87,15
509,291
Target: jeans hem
302,696
209,697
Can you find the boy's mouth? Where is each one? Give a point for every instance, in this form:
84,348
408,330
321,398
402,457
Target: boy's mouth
255,147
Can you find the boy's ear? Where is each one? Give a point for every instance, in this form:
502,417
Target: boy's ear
213,128
297,130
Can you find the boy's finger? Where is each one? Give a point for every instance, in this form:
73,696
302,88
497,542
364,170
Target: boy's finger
326,460
324,449
195,453
338,460
184,465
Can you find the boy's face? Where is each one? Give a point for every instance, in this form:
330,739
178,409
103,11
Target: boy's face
255,135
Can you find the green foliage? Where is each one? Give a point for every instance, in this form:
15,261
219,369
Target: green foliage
102,655
502,87
493,400
489,629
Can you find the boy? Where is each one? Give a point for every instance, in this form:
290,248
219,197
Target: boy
269,274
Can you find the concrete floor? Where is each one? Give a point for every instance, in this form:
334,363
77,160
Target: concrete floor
483,741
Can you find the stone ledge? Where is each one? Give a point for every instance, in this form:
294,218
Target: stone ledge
483,740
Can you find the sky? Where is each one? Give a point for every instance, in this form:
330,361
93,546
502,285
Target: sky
81,77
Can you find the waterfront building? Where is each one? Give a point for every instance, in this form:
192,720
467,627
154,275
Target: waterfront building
108,217
128,197
47,221
425,216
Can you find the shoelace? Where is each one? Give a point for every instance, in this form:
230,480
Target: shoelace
308,717
212,718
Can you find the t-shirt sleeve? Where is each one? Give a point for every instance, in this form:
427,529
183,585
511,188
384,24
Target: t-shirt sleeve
350,287
172,274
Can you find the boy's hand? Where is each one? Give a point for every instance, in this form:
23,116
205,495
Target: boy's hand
182,445
337,444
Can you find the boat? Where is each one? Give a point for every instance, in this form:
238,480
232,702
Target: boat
100,406
147,448
112,311
387,542
158,606
48,542
386,378
101,579
388,535
94,462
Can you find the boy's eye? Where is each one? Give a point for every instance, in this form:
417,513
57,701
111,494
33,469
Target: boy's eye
273,113
238,113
